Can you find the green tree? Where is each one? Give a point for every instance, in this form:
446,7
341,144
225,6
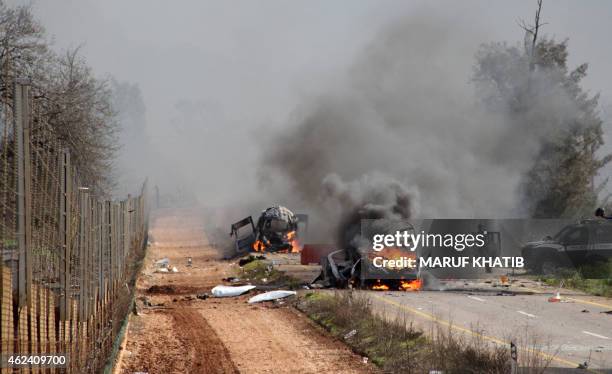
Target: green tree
534,88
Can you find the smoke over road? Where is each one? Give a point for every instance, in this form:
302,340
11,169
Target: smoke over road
407,122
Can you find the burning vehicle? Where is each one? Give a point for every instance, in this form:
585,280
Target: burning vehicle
356,265
276,231
359,265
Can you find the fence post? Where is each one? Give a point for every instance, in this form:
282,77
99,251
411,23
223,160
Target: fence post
65,235
109,233
126,231
102,248
84,228
24,193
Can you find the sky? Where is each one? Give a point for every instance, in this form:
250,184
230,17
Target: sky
249,64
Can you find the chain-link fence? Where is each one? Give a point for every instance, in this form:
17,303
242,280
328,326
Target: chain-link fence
68,258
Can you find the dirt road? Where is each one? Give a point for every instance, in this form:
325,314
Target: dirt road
175,332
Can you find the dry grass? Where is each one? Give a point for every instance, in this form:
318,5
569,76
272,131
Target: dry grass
594,279
396,346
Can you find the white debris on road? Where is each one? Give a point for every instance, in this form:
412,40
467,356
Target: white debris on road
230,291
269,296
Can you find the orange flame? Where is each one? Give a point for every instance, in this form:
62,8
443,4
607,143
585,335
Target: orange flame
295,244
380,286
259,246
404,285
413,285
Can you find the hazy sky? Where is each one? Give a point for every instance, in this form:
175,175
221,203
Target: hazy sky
260,50
251,62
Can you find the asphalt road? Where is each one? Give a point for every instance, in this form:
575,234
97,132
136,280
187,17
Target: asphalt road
565,333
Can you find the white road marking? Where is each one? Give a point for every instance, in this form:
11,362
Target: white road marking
476,298
595,335
526,314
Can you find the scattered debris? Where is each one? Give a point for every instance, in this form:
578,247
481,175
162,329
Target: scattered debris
364,360
174,269
162,270
189,261
272,295
555,299
202,296
163,263
350,334
231,279
230,291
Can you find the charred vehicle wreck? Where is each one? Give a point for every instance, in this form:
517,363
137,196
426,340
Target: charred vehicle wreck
359,266
277,230
356,266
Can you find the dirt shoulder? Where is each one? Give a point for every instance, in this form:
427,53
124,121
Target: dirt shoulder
175,332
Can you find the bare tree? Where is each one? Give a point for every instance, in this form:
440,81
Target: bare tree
75,103
531,33
79,108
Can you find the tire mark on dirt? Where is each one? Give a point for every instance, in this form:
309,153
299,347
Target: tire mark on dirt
208,354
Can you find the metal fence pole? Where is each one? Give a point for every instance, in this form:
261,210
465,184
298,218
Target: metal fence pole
24,194
84,228
65,235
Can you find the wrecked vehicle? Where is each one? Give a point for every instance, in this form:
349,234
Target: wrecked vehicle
355,265
588,242
276,231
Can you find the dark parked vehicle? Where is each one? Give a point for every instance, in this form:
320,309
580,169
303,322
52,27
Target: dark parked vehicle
586,243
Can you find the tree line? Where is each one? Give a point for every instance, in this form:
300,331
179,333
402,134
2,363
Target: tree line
533,86
72,100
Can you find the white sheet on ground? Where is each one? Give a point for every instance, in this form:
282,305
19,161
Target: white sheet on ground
272,295
163,262
229,291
